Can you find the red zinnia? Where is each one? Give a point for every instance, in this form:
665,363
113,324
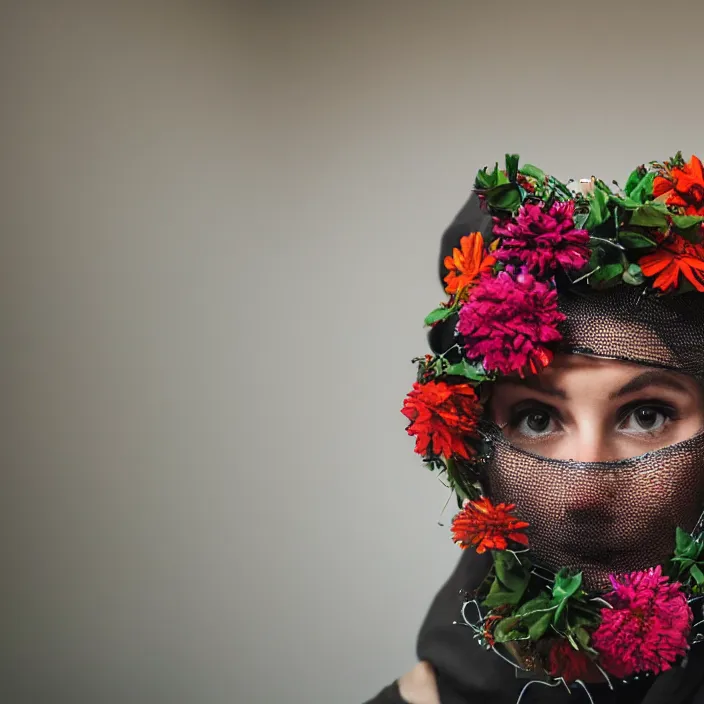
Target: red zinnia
675,256
487,526
570,664
683,186
443,416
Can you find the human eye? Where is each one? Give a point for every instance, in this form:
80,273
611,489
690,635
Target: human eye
533,420
649,418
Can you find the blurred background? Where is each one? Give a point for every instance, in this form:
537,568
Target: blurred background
219,232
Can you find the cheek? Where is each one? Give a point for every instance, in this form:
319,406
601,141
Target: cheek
690,425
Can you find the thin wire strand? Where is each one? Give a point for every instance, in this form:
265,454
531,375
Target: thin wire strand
603,672
547,684
444,508
584,687
510,662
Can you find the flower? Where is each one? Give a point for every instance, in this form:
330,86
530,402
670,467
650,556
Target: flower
487,526
467,263
683,187
569,664
508,321
526,183
543,240
674,256
442,417
646,629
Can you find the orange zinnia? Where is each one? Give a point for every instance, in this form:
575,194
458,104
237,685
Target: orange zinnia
684,187
467,263
487,526
675,255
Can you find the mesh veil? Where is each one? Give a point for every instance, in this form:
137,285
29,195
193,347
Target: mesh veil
618,516
601,517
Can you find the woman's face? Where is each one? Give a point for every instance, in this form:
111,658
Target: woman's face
606,518
590,409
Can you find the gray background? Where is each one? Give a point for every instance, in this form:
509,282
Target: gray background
219,233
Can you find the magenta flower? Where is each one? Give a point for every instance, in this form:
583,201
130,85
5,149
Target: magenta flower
508,320
647,628
543,240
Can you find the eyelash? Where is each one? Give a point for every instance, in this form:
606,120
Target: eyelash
520,412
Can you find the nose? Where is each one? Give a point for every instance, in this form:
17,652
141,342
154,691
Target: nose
592,446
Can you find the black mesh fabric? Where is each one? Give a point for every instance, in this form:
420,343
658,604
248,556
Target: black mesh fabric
623,323
605,517
601,517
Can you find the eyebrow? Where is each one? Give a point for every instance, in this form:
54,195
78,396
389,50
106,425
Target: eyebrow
638,383
649,378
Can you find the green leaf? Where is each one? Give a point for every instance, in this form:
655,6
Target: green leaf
498,596
584,616
686,546
682,540
697,574
684,222
474,372
486,180
650,215
506,630
579,219
598,209
510,571
643,191
584,639
624,202
537,629
536,615
566,585
596,258
511,580
635,240
461,484
540,603
437,315
533,172
608,274
505,196
633,275
634,178
512,167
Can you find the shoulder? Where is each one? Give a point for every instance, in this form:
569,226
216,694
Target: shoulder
418,686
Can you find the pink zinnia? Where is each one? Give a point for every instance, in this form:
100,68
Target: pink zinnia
543,240
508,321
647,628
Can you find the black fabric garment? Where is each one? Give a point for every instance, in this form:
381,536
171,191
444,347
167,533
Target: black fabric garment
388,695
468,674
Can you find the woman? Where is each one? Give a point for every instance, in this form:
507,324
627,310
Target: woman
564,404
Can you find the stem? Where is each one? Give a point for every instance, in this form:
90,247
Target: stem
586,276
605,241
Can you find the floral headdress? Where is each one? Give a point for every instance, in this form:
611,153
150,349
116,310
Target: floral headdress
502,291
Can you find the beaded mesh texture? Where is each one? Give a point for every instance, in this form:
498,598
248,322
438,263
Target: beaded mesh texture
601,517
616,516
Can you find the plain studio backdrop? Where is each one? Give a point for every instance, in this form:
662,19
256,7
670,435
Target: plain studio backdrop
220,225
